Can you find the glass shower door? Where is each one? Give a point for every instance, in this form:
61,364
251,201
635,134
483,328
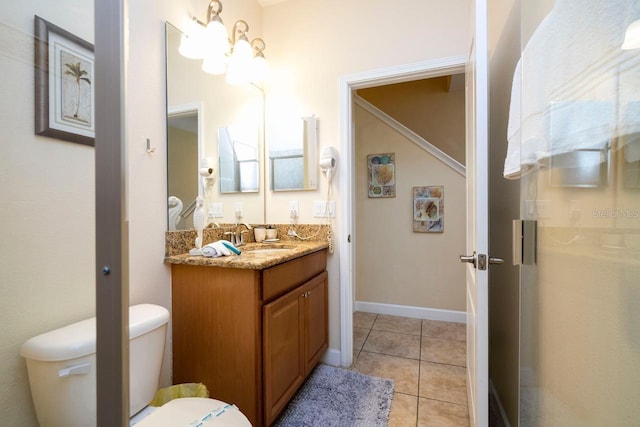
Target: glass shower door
578,97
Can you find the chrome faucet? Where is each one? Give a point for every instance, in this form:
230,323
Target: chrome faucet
240,233
237,237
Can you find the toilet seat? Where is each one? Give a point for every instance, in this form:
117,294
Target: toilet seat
190,410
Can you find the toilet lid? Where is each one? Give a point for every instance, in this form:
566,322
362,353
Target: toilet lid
191,411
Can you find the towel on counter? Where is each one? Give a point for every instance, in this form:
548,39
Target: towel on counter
571,77
215,250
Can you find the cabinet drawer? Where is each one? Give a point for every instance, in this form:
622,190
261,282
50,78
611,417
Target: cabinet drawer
283,277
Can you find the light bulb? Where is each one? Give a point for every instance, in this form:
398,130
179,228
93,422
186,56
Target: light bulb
192,41
239,71
260,68
242,53
216,35
214,64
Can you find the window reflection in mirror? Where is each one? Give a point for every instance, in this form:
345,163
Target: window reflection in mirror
238,158
293,155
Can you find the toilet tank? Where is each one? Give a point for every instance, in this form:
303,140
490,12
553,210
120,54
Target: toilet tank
62,367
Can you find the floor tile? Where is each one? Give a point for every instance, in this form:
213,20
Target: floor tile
393,344
403,325
404,411
355,359
444,351
443,382
433,413
359,336
363,320
403,372
444,330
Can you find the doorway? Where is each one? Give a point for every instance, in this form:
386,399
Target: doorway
348,247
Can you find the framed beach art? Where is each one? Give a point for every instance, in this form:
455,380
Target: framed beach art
64,89
381,171
428,209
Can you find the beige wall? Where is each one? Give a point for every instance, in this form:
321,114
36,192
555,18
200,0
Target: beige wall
311,45
47,240
504,205
394,265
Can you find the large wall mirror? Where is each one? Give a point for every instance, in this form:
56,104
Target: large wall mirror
213,123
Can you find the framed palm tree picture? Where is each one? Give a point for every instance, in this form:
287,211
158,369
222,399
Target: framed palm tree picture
64,90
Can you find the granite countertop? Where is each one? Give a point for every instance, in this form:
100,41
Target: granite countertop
254,256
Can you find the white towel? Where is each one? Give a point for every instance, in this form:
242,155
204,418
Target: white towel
210,252
215,249
573,59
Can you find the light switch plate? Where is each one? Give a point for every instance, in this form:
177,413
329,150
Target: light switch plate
320,209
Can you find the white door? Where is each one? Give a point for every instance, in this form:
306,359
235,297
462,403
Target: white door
477,217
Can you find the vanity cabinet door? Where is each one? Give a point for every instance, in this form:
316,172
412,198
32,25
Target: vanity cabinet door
284,368
316,330
295,338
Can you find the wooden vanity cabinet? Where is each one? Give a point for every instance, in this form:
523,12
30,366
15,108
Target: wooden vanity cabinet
251,336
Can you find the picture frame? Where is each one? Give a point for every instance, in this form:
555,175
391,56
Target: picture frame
428,209
64,90
381,174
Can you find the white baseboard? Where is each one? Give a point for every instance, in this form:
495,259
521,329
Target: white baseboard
415,312
503,414
332,357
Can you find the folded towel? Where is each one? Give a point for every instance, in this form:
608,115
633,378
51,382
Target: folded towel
210,252
216,249
573,61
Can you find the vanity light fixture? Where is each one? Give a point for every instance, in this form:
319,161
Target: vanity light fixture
243,61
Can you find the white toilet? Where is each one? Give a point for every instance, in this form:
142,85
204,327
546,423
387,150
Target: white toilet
62,375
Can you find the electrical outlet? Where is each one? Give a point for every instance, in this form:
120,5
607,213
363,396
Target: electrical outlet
320,209
293,209
216,210
239,209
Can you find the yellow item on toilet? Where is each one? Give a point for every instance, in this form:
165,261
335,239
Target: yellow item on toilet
167,394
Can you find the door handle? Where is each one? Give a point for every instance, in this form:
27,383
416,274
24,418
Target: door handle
471,259
480,261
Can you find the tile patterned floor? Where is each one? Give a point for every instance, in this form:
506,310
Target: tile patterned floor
427,361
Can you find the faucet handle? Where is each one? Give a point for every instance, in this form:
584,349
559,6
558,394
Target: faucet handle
242,233
231,235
